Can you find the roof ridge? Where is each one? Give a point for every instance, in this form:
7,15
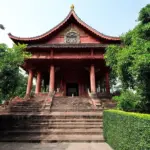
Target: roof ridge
71,13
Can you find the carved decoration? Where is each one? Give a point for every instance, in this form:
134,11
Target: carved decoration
72,37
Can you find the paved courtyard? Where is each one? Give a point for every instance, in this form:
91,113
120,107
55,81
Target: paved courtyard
54,146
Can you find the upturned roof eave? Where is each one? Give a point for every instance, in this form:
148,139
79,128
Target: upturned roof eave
48,33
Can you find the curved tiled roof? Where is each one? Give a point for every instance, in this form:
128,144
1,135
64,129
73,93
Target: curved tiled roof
71,14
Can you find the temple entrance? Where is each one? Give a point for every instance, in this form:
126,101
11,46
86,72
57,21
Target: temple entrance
72,89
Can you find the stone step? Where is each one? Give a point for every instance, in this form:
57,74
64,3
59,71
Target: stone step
111,105
69,100
76,113
55,114
59,123
25,110
70,97
43,116
53,138
74,110
30,106
75,103
68,126
53,131
23,105
27,102
26,107
66,119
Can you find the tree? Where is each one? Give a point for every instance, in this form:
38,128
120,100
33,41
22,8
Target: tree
130,62
2,27
10,78
22,85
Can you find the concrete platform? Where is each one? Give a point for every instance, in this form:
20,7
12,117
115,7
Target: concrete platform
55,146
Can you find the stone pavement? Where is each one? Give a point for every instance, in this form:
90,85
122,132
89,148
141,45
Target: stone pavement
54,146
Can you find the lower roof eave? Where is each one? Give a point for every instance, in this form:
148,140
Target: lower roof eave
75,46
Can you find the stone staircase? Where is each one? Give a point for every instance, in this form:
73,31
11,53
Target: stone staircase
78,118
108,103
71,119
35,104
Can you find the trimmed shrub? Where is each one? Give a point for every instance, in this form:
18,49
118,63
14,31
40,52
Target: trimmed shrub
126,130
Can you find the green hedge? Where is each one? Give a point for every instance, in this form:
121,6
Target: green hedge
127,131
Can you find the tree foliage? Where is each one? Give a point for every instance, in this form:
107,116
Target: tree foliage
2,27
130,62
10,78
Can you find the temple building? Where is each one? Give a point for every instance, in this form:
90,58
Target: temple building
68,59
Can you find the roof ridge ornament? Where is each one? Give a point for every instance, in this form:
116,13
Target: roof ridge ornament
72,7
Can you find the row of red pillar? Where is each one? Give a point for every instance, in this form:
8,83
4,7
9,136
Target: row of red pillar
38,81
52,81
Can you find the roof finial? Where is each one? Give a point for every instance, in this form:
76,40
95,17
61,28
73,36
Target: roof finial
72,7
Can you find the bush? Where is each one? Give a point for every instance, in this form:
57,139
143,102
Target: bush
126,130
128,101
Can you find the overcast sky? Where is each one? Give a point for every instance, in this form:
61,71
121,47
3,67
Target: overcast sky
27,18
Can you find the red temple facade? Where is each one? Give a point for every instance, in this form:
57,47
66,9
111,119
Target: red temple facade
68,59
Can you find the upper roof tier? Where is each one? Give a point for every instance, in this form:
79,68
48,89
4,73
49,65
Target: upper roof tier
71,18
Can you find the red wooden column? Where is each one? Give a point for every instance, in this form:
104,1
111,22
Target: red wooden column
29,85
92,79
38,83
52,79
107,82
